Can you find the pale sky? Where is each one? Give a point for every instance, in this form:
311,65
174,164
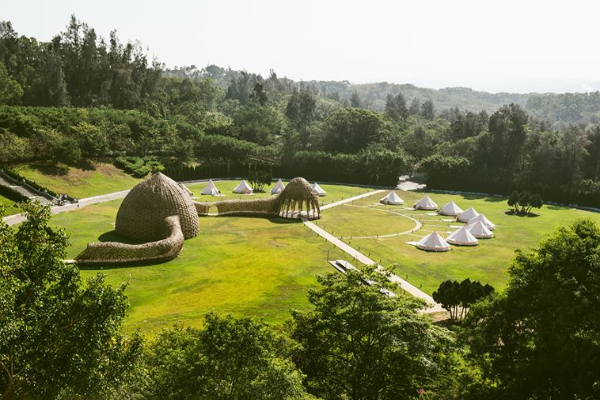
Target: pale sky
516,46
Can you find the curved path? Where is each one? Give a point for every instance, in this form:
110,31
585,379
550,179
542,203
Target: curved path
403,284
418,225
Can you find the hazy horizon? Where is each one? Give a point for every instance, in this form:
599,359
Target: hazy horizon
503,47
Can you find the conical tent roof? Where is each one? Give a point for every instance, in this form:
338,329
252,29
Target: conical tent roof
488,224
450,209
318,189
210,189
433,242
479,230
278,188
143,211
243,188
462,237
392,198
465,216
426,204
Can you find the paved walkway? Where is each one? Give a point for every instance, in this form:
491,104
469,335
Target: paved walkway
407,287
350,199
416,292
18,218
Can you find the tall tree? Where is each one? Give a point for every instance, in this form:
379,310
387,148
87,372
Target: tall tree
300,110
355,101
539,338
428,110
359,343
226,359
395,107
415,107
59,335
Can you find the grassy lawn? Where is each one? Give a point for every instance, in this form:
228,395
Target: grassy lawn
486,262
351,221
244,266
99,179
334,192
8,204
262,267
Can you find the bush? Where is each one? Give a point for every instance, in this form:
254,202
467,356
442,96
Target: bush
139,167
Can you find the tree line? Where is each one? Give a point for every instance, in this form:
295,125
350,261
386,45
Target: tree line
217,117
61,336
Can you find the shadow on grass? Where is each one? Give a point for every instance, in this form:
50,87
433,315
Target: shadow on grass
86,165
112,236
52,169
490,199
530,215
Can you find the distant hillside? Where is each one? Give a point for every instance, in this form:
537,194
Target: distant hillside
558,110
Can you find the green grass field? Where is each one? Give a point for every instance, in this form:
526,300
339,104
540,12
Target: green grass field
77,182
244,266
265,267
9,204
486,262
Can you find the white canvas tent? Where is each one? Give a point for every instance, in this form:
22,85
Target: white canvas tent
450,209
479,230
488,224
243,188
278,188
210,189
462,237
318,189
465,216
392,199
425,204
433,242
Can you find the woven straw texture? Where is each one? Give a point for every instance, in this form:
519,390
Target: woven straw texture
114,253
142,213
297,196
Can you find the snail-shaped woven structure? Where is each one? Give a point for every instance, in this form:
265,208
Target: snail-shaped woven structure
298,199
143,211
158,212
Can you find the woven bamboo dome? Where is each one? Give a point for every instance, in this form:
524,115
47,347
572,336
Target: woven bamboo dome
298,193
143,211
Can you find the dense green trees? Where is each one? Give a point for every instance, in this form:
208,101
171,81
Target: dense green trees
60,336
352,129
361,344
457,298
227,359
77,68
539,338
237,119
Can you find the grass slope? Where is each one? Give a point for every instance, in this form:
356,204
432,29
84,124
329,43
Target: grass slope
9,204
99,179
486,262
244,266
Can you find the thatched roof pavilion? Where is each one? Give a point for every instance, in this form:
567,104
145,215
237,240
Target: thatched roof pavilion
143,212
